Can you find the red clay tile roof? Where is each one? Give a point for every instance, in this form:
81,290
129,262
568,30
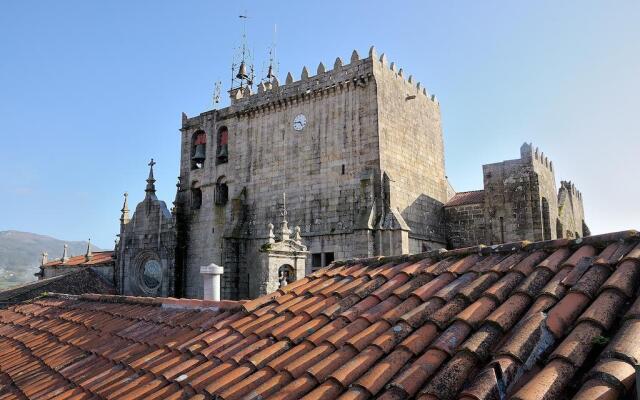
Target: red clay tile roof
98,257
82,280
462,198
545,320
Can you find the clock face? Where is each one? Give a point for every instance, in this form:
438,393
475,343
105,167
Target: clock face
299,122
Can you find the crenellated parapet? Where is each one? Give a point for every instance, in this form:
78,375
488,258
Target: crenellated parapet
571,189
357,73
535,157
413,88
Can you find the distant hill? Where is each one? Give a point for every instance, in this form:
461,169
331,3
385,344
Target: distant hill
21,253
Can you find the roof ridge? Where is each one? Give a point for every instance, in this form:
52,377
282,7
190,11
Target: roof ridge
164,302
470,191
595,240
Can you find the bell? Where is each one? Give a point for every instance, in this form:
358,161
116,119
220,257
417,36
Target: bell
270,74
199,155
242,72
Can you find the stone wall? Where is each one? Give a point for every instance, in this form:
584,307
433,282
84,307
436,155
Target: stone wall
106,271
149,235
570,221
334,171
520,203
325,170
466,225
516,192
412,152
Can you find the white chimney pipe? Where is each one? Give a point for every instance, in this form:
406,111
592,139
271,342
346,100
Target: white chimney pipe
211,280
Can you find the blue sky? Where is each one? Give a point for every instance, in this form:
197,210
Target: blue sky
89,91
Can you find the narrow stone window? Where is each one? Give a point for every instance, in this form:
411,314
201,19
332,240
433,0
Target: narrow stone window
546,220
342,169
196,198
221,195
501,230
198,149
222,152
316,261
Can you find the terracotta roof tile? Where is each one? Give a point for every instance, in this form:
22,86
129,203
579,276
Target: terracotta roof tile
464,198
98,257
617,373
521,320
595,389
548,383
624,345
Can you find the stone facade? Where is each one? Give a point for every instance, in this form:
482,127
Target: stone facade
359,152
519,202
146,250
570,221
466,224
345,172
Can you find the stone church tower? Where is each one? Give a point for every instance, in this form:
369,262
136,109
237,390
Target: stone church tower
358,153
358,149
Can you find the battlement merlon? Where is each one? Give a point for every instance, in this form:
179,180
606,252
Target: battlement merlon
533,155
358,72
570,187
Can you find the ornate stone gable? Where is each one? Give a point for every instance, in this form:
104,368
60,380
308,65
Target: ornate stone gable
146,250
282,261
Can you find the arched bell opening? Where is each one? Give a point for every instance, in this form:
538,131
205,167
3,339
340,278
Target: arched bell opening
222,145
286,275
198,149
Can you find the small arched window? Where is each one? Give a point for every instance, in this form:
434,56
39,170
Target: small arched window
222,148
198,149
546,220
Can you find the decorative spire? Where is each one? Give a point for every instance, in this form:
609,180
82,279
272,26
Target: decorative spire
271,238
124,216
296,235
88,254
45,258
65,253
151,187
284,226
